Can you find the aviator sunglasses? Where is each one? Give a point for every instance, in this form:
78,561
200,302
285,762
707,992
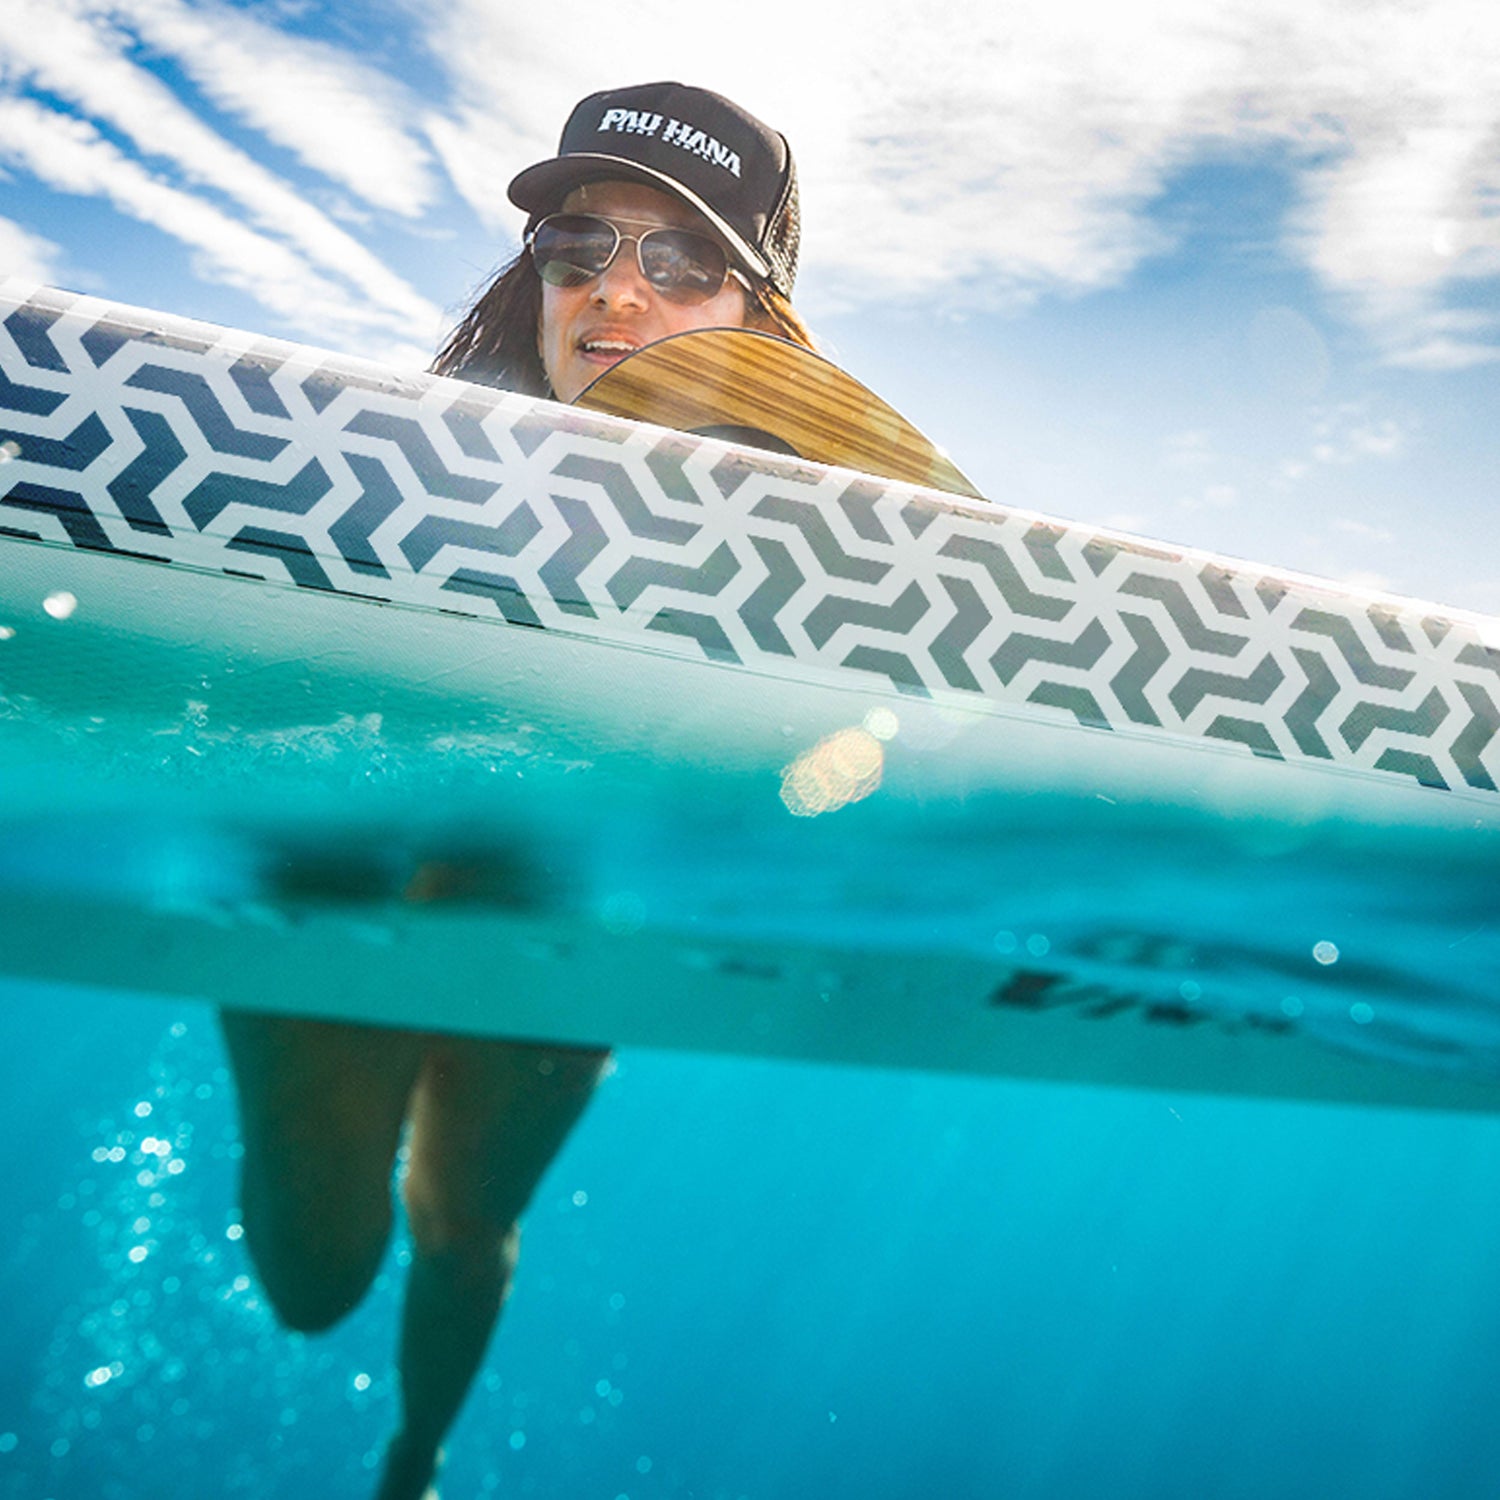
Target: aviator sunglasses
680,264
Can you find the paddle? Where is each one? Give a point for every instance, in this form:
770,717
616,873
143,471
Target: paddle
751,387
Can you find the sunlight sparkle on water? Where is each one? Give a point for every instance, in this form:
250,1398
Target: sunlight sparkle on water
60,605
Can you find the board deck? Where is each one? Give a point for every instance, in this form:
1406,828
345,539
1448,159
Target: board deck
329,689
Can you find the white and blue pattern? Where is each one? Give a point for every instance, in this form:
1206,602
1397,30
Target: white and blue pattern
198,447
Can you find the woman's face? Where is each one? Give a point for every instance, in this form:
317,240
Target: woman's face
586,329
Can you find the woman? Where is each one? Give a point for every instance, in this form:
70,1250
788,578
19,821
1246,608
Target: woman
658,157
705,198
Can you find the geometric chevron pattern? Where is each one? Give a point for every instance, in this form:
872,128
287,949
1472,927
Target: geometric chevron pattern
200,447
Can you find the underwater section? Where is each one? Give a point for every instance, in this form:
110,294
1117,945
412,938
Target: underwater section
753,1279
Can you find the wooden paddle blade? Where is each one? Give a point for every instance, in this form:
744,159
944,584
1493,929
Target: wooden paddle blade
715,379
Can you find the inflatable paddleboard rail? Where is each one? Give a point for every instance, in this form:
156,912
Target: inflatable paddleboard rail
198,447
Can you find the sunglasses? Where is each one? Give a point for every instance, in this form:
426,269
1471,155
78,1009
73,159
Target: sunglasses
681,265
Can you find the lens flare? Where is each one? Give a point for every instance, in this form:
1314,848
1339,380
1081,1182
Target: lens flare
843,768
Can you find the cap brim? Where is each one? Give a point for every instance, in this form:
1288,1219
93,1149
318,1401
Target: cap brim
542,188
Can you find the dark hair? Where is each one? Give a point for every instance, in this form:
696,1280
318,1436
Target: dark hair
495,343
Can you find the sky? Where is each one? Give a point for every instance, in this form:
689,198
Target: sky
1224,273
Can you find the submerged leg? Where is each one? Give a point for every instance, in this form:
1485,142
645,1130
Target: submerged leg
487,1119
321,1110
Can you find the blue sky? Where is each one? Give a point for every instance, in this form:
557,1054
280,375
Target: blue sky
1223,274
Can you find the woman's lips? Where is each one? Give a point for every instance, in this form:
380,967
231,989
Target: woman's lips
605,350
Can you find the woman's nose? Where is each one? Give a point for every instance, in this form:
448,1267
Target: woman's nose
621,284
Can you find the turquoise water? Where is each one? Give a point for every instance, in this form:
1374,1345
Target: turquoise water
747,1279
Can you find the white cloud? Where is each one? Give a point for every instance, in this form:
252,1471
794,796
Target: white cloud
932,149
1347,434
1410,211
480,157
1211,497
341,117
1377,440
72,157
1363,529
27,255
1444,340
1188,450
62,47
1445,354
981,155
965,156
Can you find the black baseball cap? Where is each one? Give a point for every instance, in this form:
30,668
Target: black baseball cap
696,145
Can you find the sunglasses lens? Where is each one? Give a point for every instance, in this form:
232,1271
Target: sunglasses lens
570,249
684,267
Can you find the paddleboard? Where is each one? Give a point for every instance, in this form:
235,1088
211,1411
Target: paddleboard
345,692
